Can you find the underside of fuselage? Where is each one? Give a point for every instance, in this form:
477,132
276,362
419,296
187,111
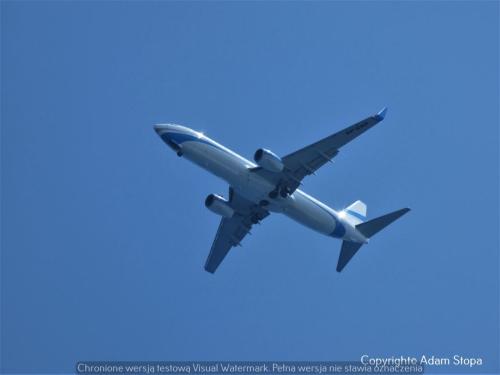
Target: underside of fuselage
237,172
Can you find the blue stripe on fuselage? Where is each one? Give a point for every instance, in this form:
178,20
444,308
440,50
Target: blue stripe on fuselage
339,229
180,138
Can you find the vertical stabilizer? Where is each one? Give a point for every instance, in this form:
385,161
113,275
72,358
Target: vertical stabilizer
355,213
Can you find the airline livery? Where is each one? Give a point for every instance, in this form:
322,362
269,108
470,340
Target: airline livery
271,185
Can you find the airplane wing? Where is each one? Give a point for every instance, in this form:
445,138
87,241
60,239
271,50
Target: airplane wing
232,230
309,159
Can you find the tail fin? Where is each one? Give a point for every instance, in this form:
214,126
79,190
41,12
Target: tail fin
356,213
368,229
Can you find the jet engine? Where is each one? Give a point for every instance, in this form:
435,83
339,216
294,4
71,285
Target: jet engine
268,160
219,205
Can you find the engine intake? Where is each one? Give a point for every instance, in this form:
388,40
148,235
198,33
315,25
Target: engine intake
219,205
268,160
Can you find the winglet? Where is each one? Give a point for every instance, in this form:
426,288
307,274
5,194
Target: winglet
381,115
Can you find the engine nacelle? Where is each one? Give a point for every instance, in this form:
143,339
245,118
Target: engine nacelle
268,160
219,205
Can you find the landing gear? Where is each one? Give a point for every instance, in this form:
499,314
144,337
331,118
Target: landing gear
179,153
283,191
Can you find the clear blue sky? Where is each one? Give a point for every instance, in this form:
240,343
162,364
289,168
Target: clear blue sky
104,230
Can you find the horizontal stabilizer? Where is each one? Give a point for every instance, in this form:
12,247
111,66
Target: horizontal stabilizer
346,253
369,228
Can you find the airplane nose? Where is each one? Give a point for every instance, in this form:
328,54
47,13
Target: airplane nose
163,131
160,128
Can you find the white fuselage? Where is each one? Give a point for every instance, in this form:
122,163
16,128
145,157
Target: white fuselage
235,170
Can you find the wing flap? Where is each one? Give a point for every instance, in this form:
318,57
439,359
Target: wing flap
309,159
223,242
232,230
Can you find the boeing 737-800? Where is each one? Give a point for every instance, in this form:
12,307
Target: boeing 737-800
271,185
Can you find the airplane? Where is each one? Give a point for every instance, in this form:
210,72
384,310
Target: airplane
271,184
